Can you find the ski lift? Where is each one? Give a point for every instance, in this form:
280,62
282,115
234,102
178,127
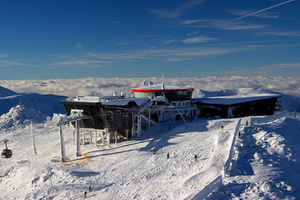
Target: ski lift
6,153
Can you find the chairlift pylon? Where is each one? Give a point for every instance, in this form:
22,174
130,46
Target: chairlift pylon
6,153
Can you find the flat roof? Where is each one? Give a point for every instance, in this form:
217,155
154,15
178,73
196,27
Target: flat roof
105,102
237,99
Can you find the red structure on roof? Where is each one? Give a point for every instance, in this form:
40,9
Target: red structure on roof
171,93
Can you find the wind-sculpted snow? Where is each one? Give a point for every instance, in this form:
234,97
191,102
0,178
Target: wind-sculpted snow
19,116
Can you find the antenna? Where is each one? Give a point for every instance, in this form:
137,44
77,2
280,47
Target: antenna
162,84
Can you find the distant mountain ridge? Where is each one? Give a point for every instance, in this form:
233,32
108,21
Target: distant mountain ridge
4,92
45,104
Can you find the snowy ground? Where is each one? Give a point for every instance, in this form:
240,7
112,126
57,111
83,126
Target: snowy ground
266,162
128,170
265,165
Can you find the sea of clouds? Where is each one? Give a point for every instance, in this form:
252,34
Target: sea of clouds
106,86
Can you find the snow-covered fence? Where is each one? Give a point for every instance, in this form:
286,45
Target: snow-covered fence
209,188
272,118
227,163
268,119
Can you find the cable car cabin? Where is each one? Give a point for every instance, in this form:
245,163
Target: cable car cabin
7,153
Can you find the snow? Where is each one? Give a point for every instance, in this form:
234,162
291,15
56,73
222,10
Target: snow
109,100
265,161
18,116
124,102
236,99
46,104
125,171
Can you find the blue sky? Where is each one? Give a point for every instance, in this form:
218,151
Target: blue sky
52,39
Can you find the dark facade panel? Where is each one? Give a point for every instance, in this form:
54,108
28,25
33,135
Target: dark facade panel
115,118
253,108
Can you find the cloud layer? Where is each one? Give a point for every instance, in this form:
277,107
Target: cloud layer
106,86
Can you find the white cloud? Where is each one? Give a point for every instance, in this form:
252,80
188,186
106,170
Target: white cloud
105,86
122,43
169,41
222,24
193,33
78,45
276,69
263,10
282,33
265,15
175,54
9,63
170,13
81,62
280,67
198,39
3,56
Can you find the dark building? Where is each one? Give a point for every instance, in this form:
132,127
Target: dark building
154,104
235,106
114,117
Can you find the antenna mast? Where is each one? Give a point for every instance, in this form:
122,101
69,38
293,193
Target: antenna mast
162,84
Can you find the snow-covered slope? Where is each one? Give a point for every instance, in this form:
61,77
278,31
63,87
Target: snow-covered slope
46,104
19,116
128,170
265,164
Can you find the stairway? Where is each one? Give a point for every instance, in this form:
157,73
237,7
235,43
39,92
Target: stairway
141,121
